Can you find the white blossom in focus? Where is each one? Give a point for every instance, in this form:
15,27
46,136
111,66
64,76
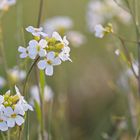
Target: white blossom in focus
36,31
48,63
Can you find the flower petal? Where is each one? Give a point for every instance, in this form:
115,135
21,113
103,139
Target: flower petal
49,70
43,43
3,126
42,53
57,61
19,120
57,36
21,49
51,55
10,122
42,64
8,111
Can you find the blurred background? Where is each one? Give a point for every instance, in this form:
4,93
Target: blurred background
90,102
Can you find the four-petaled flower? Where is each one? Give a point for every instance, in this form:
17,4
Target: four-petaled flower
48,63
36,31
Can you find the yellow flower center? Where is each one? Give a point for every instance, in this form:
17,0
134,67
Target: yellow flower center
13,115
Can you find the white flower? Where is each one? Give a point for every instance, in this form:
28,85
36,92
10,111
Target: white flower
102,11
76,38
23,51
2,82
37,48
4,4
23,106
16,74
48,94
117,52
36,31
48,63
3,124
65,54
99,31
64,41
59,24
13,117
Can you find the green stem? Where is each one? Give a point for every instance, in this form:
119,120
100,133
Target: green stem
28,74
3,55
137,135
37,75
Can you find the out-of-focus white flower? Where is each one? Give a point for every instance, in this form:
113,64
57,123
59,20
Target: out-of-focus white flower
117,52
48,94
48,63
76,38
102,11
5,4
99,31
59,24
16,74
2,82
36,31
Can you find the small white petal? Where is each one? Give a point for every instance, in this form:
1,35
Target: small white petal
10,122
8,111
33,43
57,36
3,126
49,70
42,53
19,120
50,55
23,55
1,99
42,64
43,43
21,49
57,61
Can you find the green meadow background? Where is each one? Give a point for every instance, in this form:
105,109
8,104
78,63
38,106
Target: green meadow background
86,99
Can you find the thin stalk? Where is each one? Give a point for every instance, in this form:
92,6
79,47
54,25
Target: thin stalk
8,135
128,56
37,74
3,55
28,74
137,135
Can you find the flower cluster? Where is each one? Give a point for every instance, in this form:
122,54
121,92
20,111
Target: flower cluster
12,110
51,50
102,11
63,25
5,4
